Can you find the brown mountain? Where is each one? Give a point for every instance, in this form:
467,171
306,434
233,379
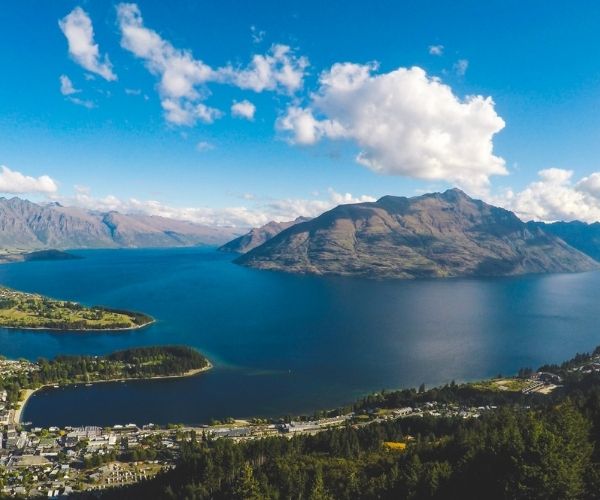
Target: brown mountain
259,235
25,225
435,235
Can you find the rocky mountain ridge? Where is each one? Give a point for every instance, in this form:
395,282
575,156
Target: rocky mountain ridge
25,225
435,235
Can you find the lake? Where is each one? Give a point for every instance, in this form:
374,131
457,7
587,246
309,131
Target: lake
285,344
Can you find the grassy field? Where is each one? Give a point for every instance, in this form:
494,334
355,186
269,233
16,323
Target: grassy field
502,384
26,310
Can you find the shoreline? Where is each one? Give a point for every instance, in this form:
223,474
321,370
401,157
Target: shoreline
18,414
79,330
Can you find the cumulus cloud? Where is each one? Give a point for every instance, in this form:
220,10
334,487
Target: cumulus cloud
183,78
179,72
14,182
259,212
279,69
404,123
555,196
436,50
77,28
66,86
243,109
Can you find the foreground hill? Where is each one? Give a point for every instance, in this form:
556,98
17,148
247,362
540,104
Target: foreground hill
259,235
435,235
28,226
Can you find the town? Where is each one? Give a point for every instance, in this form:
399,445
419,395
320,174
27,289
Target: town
56,462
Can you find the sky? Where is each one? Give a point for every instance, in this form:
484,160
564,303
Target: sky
237,113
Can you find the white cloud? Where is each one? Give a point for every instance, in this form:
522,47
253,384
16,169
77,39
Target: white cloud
183,78
133,91
14,182
82,102
556,197
66,86
436,50
290,208
460,67
77,27
179,72
404,122
203,146
279,69
182,112
258,213
243,109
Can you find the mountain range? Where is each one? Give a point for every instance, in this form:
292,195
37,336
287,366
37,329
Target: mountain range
27,226
435,235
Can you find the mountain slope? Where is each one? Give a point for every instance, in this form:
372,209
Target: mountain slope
259,235
434,235
25,225
580,235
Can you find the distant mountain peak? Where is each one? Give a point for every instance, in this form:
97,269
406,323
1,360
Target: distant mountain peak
434,235
259,235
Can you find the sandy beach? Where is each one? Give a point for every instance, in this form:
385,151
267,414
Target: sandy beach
17,413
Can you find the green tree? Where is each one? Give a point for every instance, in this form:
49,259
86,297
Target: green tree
246,486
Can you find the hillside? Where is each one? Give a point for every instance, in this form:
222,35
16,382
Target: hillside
580,235
25,225
259,235
435,235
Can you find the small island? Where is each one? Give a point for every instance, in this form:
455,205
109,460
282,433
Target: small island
31,311
21,378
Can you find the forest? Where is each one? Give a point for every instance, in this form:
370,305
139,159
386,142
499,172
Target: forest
535,448
140,362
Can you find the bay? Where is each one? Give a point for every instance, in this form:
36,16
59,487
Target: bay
287,344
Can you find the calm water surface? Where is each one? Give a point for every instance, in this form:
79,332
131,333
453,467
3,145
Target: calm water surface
285,344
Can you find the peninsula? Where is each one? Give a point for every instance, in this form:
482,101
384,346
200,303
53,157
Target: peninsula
31,311
19,379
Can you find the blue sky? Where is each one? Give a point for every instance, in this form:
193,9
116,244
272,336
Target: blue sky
538,61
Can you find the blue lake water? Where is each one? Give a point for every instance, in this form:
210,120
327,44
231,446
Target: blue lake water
285,344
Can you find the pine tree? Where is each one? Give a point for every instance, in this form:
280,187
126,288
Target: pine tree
246,486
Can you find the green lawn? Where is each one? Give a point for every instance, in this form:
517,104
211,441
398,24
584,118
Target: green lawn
502,385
